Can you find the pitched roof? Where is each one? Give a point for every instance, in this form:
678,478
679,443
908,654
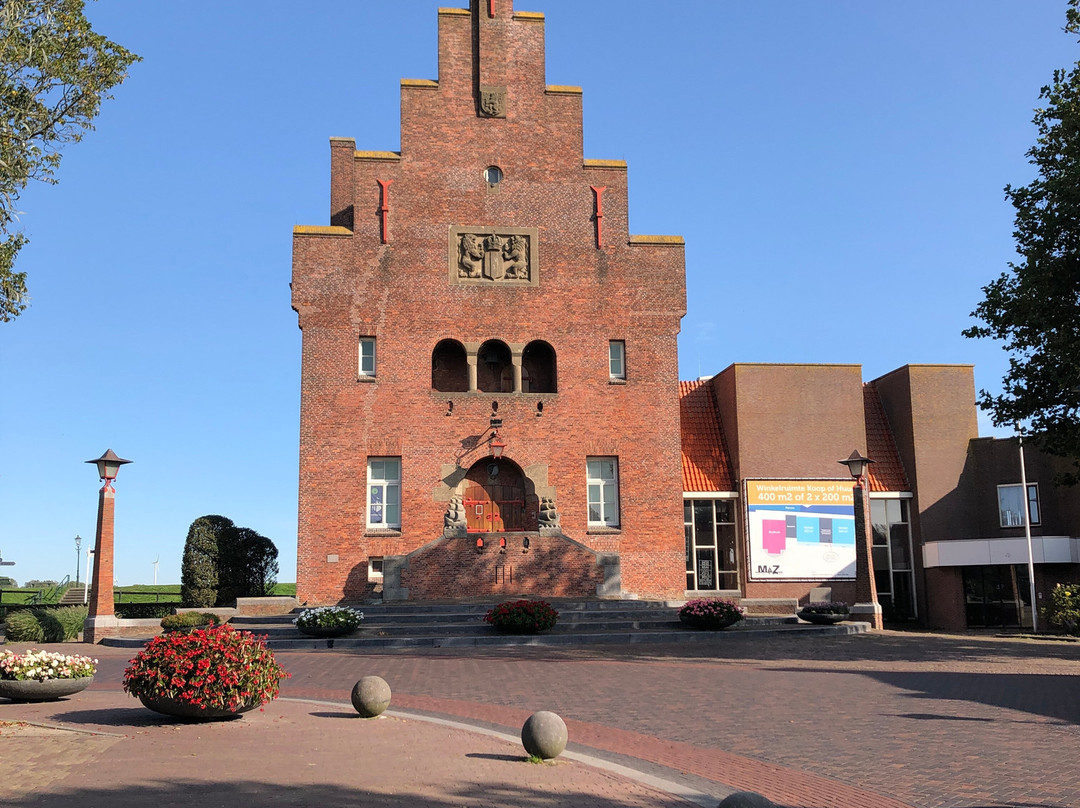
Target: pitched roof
705,462
887,471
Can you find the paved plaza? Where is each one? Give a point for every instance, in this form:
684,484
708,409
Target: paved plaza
880,720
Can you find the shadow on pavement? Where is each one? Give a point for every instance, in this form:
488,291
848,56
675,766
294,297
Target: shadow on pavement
1056,697
184,794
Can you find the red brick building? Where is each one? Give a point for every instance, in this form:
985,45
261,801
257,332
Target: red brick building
485,277
490,401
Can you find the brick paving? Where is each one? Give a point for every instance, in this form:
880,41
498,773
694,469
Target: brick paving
867,721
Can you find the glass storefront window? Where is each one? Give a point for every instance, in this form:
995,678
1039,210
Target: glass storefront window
711,552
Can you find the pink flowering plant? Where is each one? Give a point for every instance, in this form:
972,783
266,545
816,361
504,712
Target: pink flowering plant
522,616
43,666
710,613
212,668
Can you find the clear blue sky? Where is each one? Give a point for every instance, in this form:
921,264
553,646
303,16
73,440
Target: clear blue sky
835,167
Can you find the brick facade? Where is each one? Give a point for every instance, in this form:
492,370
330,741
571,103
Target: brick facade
387,268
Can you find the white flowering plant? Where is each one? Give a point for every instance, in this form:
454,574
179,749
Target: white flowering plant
321,618
42,666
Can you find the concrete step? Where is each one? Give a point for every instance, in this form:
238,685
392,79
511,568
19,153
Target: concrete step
752,627
73,596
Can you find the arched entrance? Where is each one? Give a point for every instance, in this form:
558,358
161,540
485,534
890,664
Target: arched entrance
494,497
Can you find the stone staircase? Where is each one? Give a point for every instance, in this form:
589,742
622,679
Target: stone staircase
462,625
73,596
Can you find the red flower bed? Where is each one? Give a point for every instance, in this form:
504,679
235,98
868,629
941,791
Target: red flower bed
522,616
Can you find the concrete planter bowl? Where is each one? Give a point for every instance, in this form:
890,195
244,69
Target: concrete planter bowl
192,712
327,631
48,690
822,618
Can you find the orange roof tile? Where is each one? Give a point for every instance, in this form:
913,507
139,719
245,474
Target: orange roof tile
887,471
705,462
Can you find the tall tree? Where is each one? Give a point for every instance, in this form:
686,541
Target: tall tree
1034,307
54,73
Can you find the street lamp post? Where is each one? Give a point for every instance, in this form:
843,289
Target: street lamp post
78,556
101,619
1027,534
866,602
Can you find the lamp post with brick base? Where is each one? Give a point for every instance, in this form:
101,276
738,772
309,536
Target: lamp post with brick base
101,620
866,603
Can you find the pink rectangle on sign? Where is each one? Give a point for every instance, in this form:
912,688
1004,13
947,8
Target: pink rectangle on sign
774,535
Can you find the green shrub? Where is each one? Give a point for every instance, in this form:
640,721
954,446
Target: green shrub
1063,610
71,619
177,622
135,611
24,626
46,625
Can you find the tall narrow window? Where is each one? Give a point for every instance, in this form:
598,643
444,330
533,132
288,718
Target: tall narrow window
603,485
367,356
617,359
384,492
1011,504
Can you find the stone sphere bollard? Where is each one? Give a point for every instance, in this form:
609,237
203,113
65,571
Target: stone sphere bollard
371,696
544,735
746,799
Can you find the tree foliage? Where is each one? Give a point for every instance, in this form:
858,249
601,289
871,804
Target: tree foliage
1034,307
247,565
54,73
199,568
223,562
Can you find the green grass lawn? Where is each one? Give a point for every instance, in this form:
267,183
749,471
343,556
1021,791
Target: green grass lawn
139,593
17,595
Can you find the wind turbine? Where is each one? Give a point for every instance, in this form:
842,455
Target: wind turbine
156,560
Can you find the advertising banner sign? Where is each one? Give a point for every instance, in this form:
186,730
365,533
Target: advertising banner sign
801,529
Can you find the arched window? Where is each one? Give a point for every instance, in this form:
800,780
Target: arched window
494,368
449,367
538,367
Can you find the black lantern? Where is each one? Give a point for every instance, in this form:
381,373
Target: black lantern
108,465
857,464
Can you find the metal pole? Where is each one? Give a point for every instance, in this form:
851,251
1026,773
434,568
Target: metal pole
86,589
1027,535
78,556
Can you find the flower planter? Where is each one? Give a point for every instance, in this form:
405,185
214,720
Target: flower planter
822,618
708,624
327,631
48,690
192,712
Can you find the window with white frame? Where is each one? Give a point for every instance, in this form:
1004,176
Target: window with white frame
374,568
367,357
617,359
602,475
1011,504
384,492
